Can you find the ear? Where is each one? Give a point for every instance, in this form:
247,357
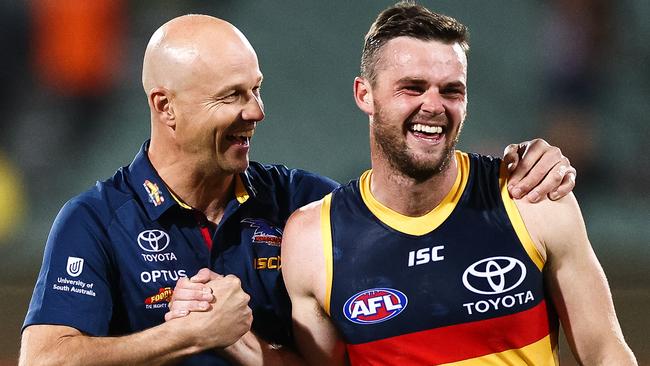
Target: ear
160,105
363,95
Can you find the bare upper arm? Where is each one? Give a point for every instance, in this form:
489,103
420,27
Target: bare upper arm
303,269
302,255
575,280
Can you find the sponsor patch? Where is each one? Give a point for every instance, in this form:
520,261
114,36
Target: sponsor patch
374,305
268,263
265,233
155,195
164,294
76,286
153,241
494,275
75,266
162,275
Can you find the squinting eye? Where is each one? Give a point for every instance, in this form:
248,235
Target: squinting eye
230,97
454,92
414,88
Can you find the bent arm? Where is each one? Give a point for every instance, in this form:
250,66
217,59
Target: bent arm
227,320
63,345
303,269
577,284
194,295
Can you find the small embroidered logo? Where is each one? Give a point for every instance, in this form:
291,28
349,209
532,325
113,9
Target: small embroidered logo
155,195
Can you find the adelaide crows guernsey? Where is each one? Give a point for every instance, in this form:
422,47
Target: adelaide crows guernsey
461,285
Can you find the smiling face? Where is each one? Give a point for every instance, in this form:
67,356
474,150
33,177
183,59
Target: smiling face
419,103
203,79
219,110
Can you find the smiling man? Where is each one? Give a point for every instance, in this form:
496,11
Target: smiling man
426,259
189,200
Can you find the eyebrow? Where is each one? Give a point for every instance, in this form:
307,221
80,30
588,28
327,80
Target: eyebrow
420,81
411,80
456,84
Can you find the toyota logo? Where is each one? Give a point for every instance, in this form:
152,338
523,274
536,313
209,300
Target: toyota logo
495,275
153,240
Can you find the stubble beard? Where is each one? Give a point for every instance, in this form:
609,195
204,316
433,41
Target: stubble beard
392,143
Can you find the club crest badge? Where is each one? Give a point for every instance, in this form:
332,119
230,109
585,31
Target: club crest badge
264,233
155,195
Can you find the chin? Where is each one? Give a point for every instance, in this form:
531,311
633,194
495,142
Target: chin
241,167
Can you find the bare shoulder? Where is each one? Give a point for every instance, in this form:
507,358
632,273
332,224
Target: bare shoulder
306,214
303,224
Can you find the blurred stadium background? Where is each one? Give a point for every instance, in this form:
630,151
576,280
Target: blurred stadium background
574,72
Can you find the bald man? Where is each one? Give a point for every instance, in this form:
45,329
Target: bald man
189,200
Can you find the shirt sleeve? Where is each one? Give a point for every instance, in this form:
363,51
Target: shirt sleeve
308,187
73,287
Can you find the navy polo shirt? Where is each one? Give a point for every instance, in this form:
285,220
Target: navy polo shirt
115,252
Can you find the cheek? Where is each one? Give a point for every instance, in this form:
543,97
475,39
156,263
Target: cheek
457,111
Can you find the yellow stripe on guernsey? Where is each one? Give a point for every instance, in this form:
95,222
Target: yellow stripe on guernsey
517,221
538,353
240,193
326,235
420,225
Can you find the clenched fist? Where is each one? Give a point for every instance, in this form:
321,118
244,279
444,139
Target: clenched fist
225,318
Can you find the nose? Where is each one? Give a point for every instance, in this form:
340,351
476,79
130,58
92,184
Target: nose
254,109
432,102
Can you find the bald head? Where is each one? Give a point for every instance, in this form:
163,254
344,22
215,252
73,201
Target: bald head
181,49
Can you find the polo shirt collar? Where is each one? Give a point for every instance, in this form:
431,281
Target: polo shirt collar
154,194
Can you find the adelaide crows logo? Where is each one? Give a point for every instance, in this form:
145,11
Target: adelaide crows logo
265,233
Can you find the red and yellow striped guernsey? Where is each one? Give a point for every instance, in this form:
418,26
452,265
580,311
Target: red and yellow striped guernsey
461,285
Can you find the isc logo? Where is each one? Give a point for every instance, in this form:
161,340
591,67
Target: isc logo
425,255
374,305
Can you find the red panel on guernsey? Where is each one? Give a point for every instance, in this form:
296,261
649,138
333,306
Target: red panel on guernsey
456,342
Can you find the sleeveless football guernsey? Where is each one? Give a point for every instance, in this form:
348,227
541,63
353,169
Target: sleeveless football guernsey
461,285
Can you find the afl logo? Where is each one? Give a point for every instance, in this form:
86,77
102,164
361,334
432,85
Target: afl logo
494,275
153,240
374,305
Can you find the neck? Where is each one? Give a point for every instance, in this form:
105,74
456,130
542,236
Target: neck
206,191
408,196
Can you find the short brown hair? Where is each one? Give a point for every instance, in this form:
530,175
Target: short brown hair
407,19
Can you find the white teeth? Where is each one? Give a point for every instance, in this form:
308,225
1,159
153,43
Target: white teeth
426,129
245,134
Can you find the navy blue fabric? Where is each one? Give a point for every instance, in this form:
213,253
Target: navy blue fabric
136,241
368,254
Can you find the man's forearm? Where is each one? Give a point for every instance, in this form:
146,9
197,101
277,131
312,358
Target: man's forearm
617,352
55,345
250,350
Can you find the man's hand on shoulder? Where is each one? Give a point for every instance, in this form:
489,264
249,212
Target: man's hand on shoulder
538,169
